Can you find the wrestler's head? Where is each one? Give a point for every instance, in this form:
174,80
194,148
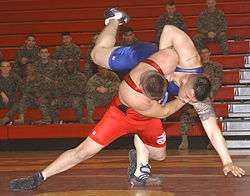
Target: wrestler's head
153,85
197,87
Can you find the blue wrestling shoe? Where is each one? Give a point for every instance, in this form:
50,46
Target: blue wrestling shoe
145,179
116,14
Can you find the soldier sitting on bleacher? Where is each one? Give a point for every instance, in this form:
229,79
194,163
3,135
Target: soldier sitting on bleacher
214,72
212,26
46,66
10,84
101,89
71,91
169,17
27,53
68,50
37,91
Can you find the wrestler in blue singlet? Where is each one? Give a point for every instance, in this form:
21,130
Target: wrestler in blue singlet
123,59
173,88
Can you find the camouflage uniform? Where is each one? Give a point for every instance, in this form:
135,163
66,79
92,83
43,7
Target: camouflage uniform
214,71
164,19
71,94
90,68
50,69
10,86
94,98
36,92
212,22
68,52
30,54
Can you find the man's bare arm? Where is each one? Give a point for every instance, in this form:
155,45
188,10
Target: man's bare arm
157,110
208,118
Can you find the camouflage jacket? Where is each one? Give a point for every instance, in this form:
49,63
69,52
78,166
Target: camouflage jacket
31,54
164,19
11,85
212,21
111,81
50,69
214,71
72,84
71,52
40,87
90,68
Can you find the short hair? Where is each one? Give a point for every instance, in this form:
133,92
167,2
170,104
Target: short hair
127,29
171,3
154,85
65,34
202,87
204,48
30,35
43,47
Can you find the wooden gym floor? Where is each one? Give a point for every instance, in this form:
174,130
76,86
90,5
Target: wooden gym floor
184,173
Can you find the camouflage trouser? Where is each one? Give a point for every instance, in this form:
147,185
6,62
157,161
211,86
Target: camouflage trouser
185,120
66,102
97,99
8,106
27,102
200,41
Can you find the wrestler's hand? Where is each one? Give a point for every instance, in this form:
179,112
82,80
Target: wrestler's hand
235,170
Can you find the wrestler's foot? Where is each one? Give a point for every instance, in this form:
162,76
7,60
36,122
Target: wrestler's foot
116,14
27,183
145,179
132,163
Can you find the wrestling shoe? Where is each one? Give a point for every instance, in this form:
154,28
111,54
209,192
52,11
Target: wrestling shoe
145,179
116,14
27,183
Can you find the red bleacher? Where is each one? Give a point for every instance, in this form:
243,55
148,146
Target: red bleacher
47,18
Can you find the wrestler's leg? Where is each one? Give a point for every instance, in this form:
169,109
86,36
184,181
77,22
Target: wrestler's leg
70,158
139,171
105,44
65,161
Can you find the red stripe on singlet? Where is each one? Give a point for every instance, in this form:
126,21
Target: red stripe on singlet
154,65
131,83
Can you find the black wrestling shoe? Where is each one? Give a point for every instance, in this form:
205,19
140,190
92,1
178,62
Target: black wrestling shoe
145,179
27,183
114,13
132,163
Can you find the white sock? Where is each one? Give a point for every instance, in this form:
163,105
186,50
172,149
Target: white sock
44,176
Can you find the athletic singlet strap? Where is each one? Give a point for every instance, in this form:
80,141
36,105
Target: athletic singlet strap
190,70
132,84
154,65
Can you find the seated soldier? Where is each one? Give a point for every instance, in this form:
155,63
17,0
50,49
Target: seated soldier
10,84
37,91
67,50
71,91
27,53
101,89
